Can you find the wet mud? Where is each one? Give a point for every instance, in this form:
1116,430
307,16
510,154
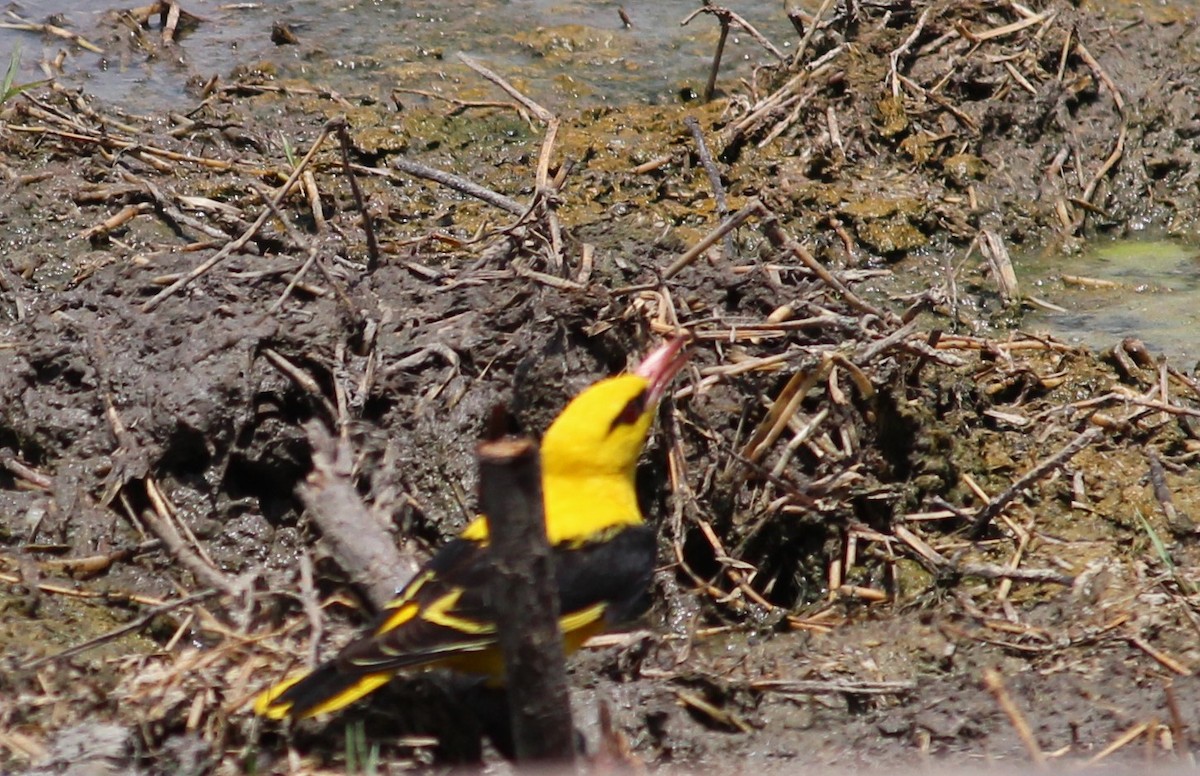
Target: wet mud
894,528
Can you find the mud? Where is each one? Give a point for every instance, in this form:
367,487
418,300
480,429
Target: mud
822,599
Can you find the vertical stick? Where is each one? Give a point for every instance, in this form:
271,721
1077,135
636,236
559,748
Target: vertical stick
525,599
711,86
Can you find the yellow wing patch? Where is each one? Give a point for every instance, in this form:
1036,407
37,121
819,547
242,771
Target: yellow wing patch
441,612
476,530
364,686
402,615
573,621
265,705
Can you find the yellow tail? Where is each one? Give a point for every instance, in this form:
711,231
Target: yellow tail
324,690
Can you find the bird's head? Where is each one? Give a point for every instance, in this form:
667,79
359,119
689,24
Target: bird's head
603,429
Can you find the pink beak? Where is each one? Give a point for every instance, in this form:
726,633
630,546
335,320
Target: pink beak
661,365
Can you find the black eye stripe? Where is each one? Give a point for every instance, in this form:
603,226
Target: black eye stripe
630,413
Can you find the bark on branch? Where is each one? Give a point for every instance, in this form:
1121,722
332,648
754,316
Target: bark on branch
525,598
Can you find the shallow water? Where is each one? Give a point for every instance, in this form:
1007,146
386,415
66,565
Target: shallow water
576,53
1149,289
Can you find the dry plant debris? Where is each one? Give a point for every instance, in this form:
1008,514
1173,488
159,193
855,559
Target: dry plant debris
868,504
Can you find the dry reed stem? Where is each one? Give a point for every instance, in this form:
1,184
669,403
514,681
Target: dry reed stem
235,245
543,115
994,683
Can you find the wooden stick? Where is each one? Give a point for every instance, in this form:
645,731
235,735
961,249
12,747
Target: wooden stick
995,685
808,34
525,598
711,87
714,177
182,543
1178,727
1122,740
537,110
727,226
116,633
459,184
50,29
996,505
359,201
236,245
1177,521
848,687
356,540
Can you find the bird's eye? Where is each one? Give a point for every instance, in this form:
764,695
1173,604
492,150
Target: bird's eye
630,413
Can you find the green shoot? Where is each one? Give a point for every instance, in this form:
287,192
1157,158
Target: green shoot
10,87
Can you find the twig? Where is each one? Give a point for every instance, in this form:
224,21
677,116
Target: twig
459,184
1176,520
297,238
714,177
312,607
343,134
997,504
1162,658
537,110
112,635
1178,727
808,34
543,168
356,540
1100,73
313,254
902,49
710,86
159,521
1009,29
727,18
994,683
991,245
710,239
1122,740
936,561
710,8
50,29
526,601
94,565
28,474
989,571
783,408
248,89
808,687
717,716
109,141
171,12
461,105
780,240
169,210
247,235
115,221
1119,146
753,32
546,194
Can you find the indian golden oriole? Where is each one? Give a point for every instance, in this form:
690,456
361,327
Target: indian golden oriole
604,555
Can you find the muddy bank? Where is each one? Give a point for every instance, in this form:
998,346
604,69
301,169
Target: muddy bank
890,529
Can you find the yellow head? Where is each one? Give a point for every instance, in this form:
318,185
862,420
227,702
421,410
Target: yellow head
590,452
602,431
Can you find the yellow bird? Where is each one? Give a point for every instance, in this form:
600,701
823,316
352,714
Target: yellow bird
603,552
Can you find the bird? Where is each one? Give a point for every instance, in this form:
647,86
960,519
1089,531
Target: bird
604,555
